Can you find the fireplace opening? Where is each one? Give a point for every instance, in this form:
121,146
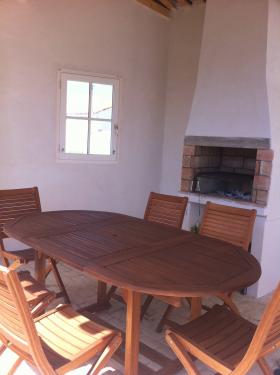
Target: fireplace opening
229,172
228,185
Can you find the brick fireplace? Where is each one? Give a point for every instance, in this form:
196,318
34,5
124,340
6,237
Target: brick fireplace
255,164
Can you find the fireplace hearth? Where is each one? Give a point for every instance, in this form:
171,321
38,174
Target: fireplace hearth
230,172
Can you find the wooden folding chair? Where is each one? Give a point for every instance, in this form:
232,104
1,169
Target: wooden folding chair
168,210
56,342
15,203
229,224
226,342
37,296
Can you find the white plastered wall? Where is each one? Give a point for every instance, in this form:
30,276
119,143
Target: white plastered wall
184,50
270,260
119,38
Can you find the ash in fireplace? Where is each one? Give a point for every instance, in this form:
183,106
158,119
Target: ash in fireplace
235,195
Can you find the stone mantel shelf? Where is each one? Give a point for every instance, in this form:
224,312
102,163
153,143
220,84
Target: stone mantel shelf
204,198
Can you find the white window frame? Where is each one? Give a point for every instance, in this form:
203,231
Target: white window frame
64,76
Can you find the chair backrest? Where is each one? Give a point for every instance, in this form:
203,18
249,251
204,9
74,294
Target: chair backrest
17,202
230,224
16,323
166,209
267,336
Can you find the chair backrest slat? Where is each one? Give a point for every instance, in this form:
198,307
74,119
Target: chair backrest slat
229,224
17,202
266,335
166,209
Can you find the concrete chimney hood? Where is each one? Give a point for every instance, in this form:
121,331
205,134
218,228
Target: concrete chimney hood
230,105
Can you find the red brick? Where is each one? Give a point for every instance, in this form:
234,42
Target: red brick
250,153
266,155
214,161
189,150
249,163
232,161
186,185
187,173
230,151
198,150
249,172
187,161
257,168
262,197
206,170
210,151
261,182
265,168
254,195
226,169
199,161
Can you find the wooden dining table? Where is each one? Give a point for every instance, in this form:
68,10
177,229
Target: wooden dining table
138,256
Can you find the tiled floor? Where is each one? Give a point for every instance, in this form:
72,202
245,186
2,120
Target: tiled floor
82,291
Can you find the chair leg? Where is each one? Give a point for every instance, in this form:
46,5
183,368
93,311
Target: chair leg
111,292
124,295
164,318
106,355
264,366
59,281
4,261
181,353
229,302
145,306
48,269
15,366
2,347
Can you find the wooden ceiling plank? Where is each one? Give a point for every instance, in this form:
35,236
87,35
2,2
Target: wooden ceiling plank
182,2
155,6
161,9
167,3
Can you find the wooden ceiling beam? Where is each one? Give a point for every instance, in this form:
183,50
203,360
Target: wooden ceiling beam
165,7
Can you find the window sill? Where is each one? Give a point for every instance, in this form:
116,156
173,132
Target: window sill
86,159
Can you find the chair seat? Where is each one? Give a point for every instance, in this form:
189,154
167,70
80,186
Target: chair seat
220,334
65,333
25,255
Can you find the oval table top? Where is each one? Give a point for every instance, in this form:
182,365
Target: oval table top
137,254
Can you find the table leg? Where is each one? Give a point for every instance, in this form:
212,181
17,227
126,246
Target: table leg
132,332
40,267
101,293
102,302
196,307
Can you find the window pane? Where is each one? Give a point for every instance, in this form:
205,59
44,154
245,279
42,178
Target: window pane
77,98
76,136
102,99
100,137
